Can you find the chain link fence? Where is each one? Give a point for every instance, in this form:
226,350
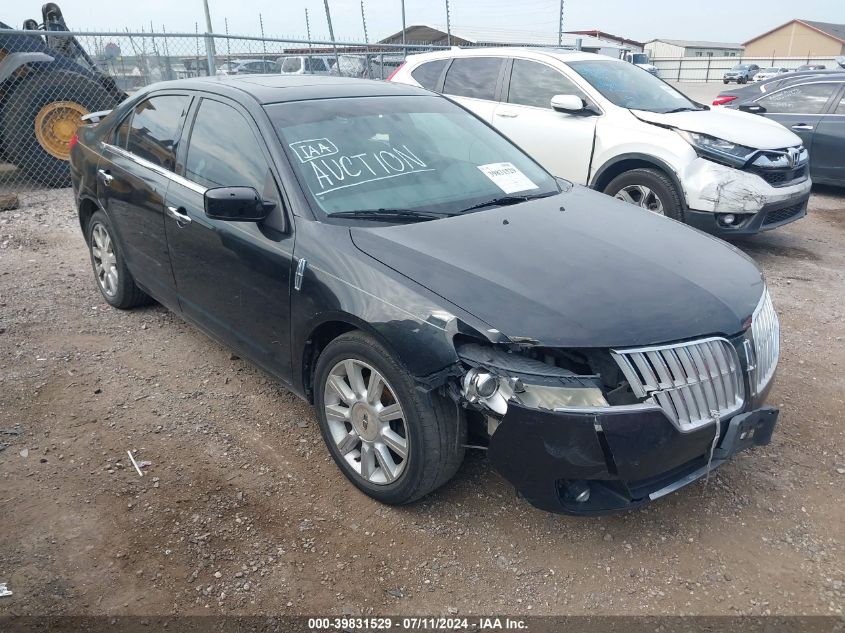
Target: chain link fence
704,69
50,80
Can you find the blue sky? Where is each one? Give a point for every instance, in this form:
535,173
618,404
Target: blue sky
718,20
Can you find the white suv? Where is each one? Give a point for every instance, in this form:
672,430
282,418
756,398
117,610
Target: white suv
612,126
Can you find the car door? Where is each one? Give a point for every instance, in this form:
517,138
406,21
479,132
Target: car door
232,278
800,108
561,142
828,156
474,82
132,181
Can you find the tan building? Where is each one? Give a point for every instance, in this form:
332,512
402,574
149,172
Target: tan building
799,38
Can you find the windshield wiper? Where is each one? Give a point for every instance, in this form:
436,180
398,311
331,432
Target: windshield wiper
388,215
504,201
684,109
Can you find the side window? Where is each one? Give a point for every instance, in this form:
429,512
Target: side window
428,73
806,99
317,65
223,150
473,77
153,129
534,84
121,134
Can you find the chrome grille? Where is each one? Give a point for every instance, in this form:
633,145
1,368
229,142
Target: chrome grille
765,335
690,381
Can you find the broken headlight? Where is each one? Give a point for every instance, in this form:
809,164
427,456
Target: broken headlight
717,149
497,376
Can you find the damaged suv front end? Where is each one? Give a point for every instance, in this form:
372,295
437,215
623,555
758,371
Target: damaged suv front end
587,431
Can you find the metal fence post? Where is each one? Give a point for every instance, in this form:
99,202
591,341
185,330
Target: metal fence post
209,54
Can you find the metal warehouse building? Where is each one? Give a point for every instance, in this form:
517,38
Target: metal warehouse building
799,38
691,48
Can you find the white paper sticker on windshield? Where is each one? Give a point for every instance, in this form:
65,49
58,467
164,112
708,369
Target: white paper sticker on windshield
507,177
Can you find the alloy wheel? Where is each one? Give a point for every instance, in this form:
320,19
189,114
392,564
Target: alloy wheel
641,196
366,421
105,261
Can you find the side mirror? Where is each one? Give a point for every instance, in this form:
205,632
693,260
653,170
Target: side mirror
236,204
570,104
752,108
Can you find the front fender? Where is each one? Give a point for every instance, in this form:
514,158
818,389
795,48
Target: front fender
342,284
13,61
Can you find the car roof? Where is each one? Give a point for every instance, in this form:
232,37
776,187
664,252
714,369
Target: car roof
560,54
283,88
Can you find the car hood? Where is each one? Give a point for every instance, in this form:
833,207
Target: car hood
575,270
743,128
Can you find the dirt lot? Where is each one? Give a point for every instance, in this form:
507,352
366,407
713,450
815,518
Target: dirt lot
242,510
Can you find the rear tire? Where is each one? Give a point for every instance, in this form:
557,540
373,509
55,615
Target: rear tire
654,186
431,426
113,278
59,98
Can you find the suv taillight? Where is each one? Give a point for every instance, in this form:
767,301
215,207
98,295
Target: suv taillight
393,74
73,140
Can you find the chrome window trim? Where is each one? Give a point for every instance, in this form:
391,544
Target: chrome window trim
174,177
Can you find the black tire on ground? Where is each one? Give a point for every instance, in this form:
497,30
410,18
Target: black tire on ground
743,80
26,100
724,81
655,180
128,294
434,424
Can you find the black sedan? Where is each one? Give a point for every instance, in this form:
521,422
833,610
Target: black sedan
813,106
426,285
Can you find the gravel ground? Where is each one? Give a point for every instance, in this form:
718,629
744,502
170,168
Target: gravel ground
242,511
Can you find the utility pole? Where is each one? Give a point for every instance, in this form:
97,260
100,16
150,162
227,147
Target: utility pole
364,22
331,36
263,41
366,43
448,26
560,26
209,41
404,50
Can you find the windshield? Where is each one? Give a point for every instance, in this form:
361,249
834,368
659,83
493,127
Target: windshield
411,153
630,87
741,67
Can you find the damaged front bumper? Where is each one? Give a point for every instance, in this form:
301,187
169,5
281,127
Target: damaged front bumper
623,456
725,201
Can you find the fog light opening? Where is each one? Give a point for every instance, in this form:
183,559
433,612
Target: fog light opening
728,219
578,491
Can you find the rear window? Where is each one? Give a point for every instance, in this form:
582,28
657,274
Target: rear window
473,77
291,64
154,128
428,74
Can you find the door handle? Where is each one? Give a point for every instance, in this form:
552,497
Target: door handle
507,115
178,214
802,126
106,176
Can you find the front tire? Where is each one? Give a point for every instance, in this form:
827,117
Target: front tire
391,440
649,189
113,278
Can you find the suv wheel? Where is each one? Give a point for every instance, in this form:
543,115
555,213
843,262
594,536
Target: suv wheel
649,189
393,441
